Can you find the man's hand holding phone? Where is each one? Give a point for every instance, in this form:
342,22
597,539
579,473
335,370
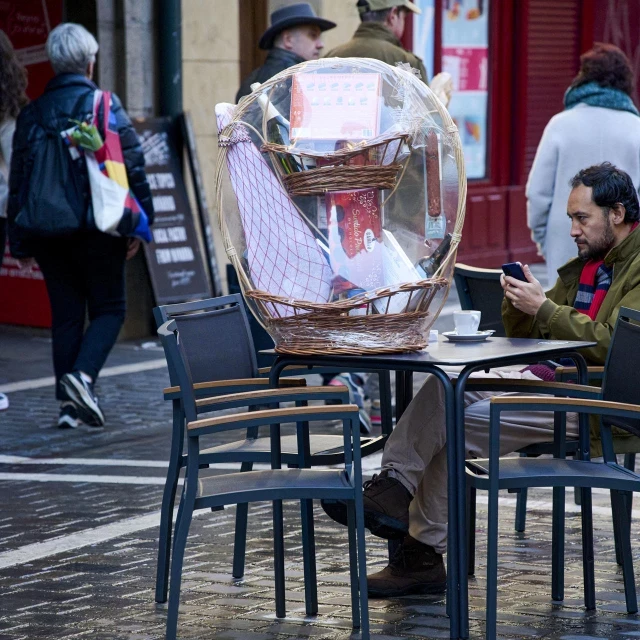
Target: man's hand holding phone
520,287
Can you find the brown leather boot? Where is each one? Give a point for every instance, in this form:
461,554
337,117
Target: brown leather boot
414,568
386,507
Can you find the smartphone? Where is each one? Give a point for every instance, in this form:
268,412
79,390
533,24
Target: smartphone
514,269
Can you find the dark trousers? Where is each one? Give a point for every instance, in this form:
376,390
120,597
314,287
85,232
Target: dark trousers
83,272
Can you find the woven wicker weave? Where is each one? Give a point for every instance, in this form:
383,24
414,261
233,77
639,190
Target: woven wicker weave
309,322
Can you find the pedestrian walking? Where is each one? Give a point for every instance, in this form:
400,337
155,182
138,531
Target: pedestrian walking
599,123
83,268
13,83
295,35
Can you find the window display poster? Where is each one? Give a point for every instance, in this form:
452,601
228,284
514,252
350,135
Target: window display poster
424,33
465,55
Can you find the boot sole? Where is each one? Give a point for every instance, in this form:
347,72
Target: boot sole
377,523
88,411
414,589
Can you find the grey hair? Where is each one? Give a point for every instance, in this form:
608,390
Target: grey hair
70,48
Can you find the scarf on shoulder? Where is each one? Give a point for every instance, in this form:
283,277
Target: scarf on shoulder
594,283
596,96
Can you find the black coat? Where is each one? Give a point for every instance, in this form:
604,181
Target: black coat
67,97
277,60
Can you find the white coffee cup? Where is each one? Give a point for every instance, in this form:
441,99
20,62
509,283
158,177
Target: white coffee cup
466,322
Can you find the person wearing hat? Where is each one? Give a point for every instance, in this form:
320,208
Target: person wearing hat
378,36
295,35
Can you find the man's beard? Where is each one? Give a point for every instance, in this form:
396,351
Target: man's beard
597,250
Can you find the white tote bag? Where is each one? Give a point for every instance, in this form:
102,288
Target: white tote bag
107,196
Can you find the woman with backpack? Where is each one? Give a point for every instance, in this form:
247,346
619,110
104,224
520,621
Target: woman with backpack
13,82
83,268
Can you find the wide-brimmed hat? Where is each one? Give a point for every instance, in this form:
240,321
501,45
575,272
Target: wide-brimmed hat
292,16
379,5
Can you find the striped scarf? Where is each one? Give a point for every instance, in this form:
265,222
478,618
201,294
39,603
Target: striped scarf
595,281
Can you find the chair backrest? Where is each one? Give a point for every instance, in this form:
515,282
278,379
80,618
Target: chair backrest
480,289
179,369
215,337
623,363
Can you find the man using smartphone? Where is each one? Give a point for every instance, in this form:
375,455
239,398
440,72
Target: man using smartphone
408,498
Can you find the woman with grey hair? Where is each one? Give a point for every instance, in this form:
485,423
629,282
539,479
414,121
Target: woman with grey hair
83,270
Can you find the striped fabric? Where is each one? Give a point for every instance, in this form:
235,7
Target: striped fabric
595,281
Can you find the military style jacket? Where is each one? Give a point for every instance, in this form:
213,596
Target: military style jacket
374,40
558,320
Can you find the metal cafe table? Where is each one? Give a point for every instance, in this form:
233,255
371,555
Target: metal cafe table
471,356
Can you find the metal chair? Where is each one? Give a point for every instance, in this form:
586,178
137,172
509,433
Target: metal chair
618,405
217,342
275,485
480,289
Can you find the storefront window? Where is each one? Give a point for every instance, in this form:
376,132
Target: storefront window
423,34
465,55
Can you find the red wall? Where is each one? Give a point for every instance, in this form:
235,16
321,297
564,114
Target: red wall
27,23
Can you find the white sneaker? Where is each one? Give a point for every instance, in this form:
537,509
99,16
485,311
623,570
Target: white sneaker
4,402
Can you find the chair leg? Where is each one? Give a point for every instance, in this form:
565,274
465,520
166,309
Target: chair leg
521,507
166,519
309,558
278,559
616,532
492,567
362,570
179,544
471,530
353,565
587,549
240,539
620,516
386,414
557,544
629,463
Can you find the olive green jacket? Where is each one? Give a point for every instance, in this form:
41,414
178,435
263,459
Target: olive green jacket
374,40
558,320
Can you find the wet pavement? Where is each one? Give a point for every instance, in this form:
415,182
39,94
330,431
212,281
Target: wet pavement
78,529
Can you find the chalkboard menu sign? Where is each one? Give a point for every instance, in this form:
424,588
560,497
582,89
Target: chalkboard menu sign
177,269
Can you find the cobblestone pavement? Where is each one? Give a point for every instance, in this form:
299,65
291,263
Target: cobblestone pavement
78,528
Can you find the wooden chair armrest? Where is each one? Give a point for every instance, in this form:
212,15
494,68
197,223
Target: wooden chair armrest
264,371
271,416
530,386
268,396
583,405
228,386
595,373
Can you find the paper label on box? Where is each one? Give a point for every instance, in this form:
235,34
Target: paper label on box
435,228
355,239
335,106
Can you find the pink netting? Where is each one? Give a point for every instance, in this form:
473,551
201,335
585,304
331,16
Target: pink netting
282,254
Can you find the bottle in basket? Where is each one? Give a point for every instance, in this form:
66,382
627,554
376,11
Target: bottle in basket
431,264
278,133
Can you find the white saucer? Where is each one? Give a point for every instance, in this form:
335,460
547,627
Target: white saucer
479,336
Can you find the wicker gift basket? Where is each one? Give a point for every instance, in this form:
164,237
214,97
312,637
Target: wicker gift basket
341,190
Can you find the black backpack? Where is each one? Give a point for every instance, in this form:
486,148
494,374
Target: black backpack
54,199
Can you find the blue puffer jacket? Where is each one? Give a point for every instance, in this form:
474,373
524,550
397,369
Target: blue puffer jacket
67,97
